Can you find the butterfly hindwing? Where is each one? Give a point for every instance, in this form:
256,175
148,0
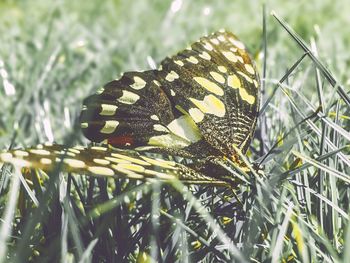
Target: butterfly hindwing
215,82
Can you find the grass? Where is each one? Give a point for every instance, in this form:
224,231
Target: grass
52,55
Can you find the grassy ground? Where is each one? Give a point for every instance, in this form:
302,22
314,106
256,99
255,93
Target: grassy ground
53,54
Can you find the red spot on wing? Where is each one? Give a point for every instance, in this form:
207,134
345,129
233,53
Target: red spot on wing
125,140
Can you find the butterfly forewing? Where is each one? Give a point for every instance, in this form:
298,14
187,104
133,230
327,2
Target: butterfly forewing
215,82
134,111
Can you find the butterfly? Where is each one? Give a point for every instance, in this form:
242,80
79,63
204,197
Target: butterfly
201,106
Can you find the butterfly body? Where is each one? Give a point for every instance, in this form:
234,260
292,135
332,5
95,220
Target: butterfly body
209,91
201,104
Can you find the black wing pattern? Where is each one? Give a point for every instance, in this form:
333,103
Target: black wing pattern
207,94
134,111
216,83
105,162
203,101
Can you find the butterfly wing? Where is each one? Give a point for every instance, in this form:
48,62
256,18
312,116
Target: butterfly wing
215,83
134,111
205,97
103,161
204,100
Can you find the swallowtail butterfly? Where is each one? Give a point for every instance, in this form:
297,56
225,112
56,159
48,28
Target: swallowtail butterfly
201,104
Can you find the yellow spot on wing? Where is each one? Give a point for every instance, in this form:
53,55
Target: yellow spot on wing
101,161
159,175
218,77
168,140
256,84
196,115
205,55
192,59
221,38
171,76
247,78
179,62
39,151
237,43
160,128
222,69
208,46
161,163
156,82
214,41
79,147
230,56
68,153
108,109
74,163
109,127
99,170
99,148
84,125
210,104
209,85
185,128
128,97
73,150
155,117
139,83
240,59
131,167
247,97
249,69
129,173
128,158
145,148
234,82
